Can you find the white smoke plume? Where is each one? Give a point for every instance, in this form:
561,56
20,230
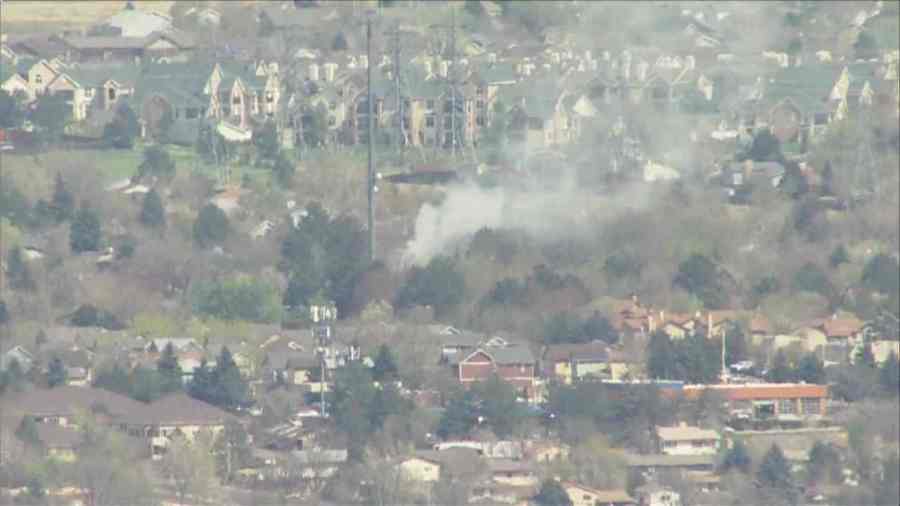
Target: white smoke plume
544,214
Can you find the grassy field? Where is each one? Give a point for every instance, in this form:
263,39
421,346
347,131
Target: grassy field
20,16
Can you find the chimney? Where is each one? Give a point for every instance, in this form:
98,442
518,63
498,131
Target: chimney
634,299
492,57
662,316
428,70
709,324
313,71
445,68
682,424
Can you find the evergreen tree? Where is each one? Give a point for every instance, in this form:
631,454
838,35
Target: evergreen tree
838,256
228,387
56,373
889,375
775,473
62,204
552,494
168,368
152,212
17,271
201,384
439,285
27,432
11,113
385,368
212,226
780,370
85,233
114,379
660,354
157,162
4,313
810,369
824,463
737,457
864,356
459,417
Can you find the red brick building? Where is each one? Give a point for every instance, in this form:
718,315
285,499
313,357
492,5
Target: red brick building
514,364
761,401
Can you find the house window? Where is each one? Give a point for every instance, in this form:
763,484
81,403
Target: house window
428,104
331,121
38,78
479,120
112,94
810,406
586,497
446,121
479,104
787,407
236,100
270,97
429,121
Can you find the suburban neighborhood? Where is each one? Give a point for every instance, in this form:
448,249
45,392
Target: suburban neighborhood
480,252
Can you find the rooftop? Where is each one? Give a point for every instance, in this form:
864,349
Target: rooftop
685,433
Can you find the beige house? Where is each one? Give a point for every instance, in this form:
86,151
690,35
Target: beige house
581,495
687,440
176,415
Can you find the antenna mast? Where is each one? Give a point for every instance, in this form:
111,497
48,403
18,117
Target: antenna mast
452,71
370,180
400,136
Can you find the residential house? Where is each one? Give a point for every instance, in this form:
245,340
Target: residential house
130,22
294,368
169,45
651,494
540,120
582,495
514,473
37,46
12,78
175,415
63,405
59,442
427,466
78,362
458,344
170,94
687,440
790,402
883,349
649,465
92,88
18,354
572,362
514,364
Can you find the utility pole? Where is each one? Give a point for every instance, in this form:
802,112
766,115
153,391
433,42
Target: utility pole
452,76
399,111
370,180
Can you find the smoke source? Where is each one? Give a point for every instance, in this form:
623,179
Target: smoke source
545,215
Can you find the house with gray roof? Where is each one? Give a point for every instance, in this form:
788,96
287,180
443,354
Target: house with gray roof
513,363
